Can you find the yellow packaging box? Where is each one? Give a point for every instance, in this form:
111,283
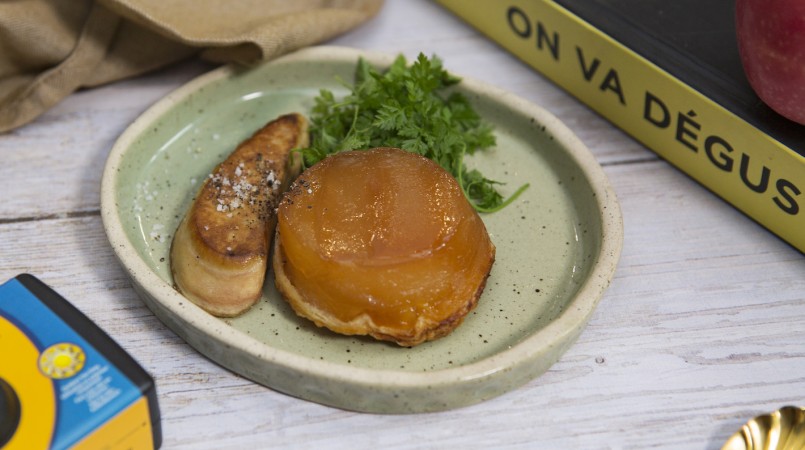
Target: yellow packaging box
64,383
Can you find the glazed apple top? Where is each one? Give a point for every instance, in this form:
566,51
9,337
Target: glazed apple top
385,233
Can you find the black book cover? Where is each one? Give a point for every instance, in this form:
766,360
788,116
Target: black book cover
695,41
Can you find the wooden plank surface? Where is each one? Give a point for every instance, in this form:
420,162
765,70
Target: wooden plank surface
702,328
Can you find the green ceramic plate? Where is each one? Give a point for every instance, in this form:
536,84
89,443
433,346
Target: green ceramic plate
557,246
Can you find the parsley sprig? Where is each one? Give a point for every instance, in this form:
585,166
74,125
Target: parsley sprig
406,107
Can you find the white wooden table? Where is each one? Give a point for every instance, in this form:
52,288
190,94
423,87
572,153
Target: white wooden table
702,328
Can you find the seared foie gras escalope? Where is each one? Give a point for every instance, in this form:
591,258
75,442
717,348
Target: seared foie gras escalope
219,253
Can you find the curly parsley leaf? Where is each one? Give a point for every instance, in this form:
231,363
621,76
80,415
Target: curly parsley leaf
406,107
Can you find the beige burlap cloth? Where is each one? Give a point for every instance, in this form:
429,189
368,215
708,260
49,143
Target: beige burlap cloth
50,48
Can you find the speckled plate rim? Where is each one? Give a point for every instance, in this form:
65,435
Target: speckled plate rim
338,385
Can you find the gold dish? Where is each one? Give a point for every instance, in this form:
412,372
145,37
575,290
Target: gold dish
783,429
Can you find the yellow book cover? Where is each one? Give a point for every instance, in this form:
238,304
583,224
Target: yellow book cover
672,80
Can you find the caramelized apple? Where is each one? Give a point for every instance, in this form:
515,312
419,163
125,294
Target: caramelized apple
383,243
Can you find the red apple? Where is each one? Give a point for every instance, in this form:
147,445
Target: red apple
771,40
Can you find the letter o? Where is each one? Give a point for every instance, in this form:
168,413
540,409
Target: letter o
524,30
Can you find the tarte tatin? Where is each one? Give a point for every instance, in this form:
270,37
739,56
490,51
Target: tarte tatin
381,242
